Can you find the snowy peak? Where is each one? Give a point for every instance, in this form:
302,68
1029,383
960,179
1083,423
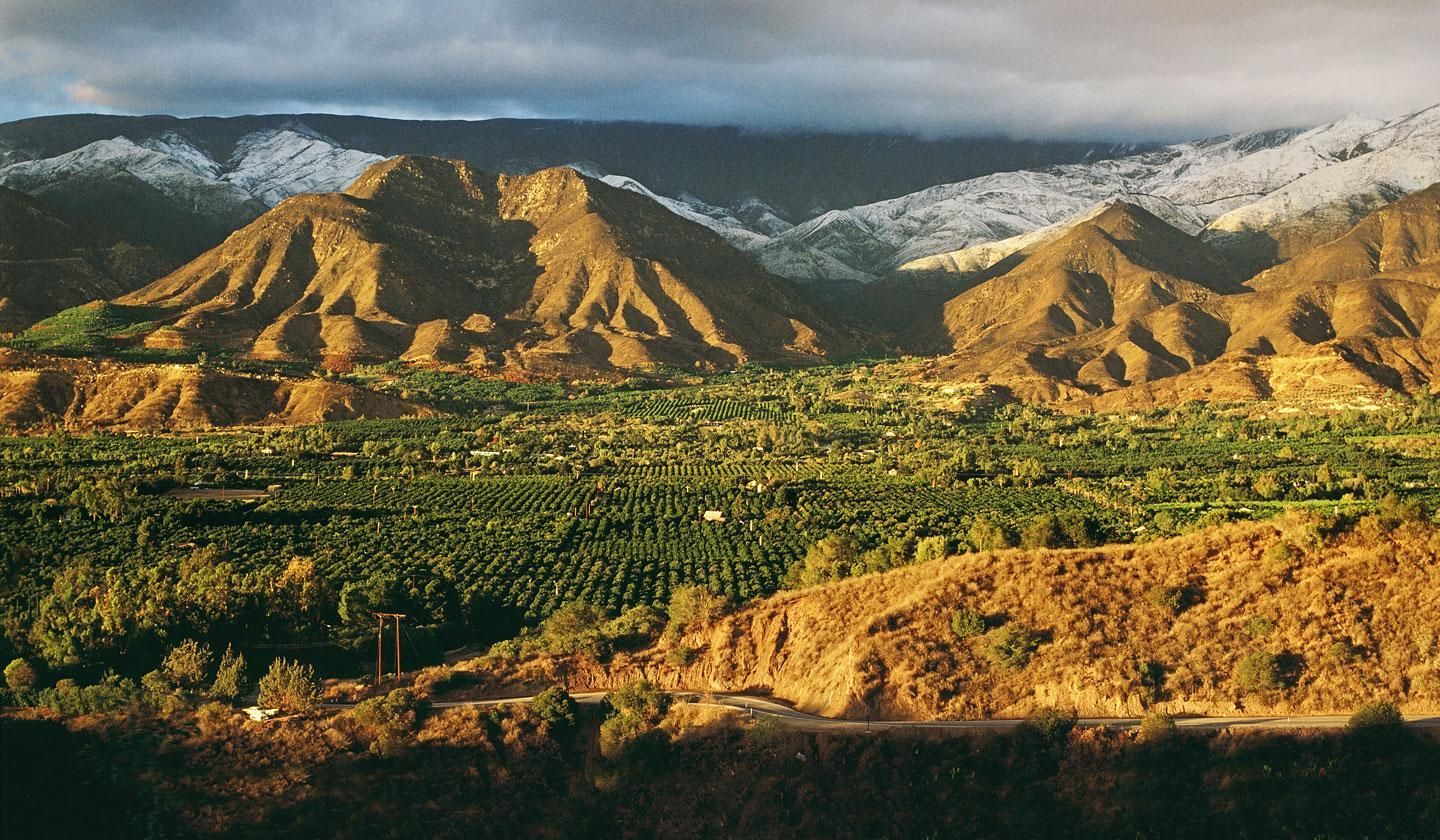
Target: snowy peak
274,165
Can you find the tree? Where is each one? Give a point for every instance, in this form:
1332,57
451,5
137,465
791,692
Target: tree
1012,646
574,628
229,676
988,535
289,687
555,707
828,559
20,676
931,548
1259,671
187,665
389,719
693,608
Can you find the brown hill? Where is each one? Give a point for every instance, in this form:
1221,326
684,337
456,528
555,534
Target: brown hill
1350,617
1400,241
48,263
1119,265
1340,326
83,395
429,258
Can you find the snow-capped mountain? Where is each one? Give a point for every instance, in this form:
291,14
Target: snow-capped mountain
264,168
1313,183
1300,186
753,227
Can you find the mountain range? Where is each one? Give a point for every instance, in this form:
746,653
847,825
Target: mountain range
1260,265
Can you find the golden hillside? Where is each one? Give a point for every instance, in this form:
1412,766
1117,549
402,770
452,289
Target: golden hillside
423,258
1351,618
83,395
1118,265
1340,326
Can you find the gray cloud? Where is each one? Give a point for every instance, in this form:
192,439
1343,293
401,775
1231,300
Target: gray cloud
1123,68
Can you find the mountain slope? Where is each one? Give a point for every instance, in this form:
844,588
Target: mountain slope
1400,240
1118,265
1342,325
86,396
430,258
48,263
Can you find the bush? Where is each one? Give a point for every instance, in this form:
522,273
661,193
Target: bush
1377,715
187,665
389,719
575,628
634,627
1013,645
112,694
986,535
694,608
967,623
1258,628
1259,671
1168,598
639,698
1156,726
828,559
555,707
289,687
1048,724
229,677
931,548
20,676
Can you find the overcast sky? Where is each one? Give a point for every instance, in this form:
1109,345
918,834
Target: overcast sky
1129,69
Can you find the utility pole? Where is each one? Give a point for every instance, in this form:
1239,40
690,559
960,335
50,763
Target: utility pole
380,641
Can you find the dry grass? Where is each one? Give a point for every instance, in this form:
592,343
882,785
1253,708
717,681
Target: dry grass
1356,616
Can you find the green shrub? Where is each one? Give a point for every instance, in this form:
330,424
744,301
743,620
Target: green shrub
1048,724
1012,646
289,687
1259,671
554,706
967,623
1376,715
229,677
1258,628
1168,598
1156,726
20,676
187,665
390,719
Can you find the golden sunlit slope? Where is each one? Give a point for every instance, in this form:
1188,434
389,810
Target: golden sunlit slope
1400,241
83,395
1120,264
1340,326
1351,617
429,258
48,264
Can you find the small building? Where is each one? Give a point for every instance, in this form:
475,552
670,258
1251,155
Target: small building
713,516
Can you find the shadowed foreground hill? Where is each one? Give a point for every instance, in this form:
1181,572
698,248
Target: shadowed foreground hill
48,263
429,259
1118,628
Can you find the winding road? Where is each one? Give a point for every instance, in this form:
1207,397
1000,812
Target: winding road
761,707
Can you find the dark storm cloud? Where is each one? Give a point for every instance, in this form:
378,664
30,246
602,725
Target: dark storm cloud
1032,67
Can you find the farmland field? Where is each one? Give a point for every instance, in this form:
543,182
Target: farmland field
526,497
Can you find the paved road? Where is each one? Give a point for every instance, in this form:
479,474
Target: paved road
764,708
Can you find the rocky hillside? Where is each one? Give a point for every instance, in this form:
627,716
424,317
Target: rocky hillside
1341,325
424,258
90,396
1110,631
